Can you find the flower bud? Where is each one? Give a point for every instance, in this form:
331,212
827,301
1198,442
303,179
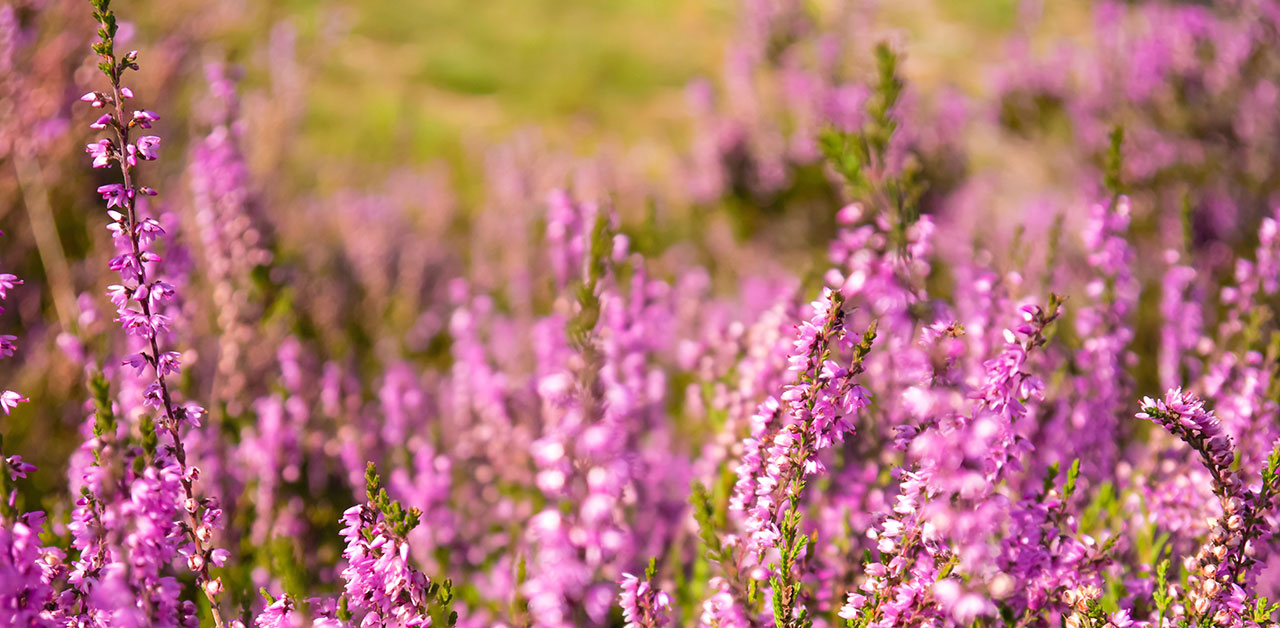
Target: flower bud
1211,587
213,587
1219,552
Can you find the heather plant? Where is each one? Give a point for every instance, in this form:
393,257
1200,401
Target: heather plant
820,375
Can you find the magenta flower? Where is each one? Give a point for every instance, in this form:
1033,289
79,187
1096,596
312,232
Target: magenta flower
100,151
17,468
169,363
143,118
643,606
147,147
10,400
114,194
138,361
8,282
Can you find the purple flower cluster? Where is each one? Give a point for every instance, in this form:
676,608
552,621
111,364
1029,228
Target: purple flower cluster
814,413
643,606
378,576
1214,573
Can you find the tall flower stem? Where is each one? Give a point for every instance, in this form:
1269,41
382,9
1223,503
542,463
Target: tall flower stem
195,526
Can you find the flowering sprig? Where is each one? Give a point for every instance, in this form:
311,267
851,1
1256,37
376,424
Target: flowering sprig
138,299
814,412
1214,593
379,578
826,407
643,604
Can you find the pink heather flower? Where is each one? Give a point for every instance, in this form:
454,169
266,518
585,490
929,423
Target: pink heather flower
191,413
125,92
25,586
113,194
118,294
278,615
102,121
1185,416
379,576
7,283
219,557
153,397
720,610
169,362
144,118
17,468
10,400
642,605
100,151
147,145
138,361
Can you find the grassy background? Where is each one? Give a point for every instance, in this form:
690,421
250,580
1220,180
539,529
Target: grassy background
397,82
417,81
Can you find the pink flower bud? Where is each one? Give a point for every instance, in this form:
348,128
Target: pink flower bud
213,587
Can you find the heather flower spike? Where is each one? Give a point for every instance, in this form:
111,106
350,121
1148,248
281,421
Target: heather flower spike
643,605
143,317
1217,571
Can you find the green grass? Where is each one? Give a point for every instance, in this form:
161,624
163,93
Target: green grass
416,80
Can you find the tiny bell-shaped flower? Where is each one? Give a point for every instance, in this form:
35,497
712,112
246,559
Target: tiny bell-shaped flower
143,118
100,151
10,400
213,587
147,145
96,99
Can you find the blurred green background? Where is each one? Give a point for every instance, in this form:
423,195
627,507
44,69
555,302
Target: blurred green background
399,82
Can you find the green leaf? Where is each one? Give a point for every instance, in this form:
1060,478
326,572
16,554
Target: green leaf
1073,474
